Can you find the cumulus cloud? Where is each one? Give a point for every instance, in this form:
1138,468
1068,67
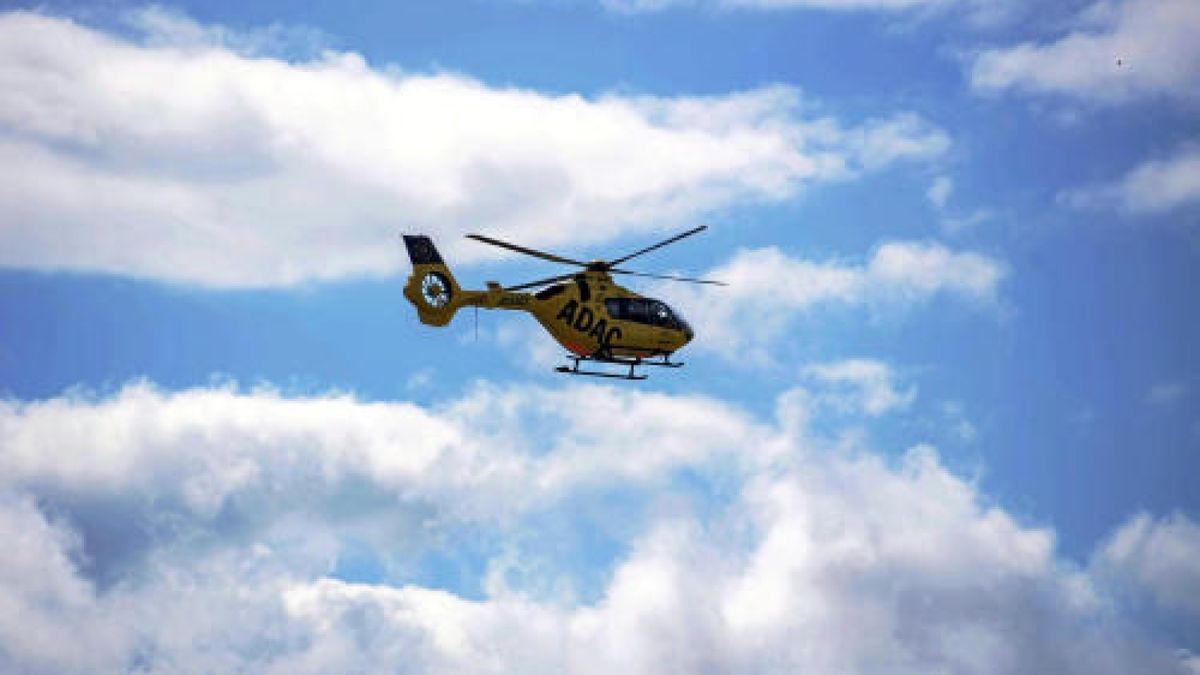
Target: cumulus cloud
816,561
483,456
863,385
1155,186
186,155
1153,40
1158,556
768,289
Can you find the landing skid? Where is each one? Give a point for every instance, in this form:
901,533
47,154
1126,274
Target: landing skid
622,361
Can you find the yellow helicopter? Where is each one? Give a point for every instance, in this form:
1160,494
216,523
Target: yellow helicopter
588,313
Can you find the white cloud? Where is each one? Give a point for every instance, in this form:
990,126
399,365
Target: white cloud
183,157
484,456
862,385
915,271
817,562
165,27
1154,40
953,221
43,598
768,289
939,192
1154,186
1160,556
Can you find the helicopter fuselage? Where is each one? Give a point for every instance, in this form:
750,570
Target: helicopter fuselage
591,315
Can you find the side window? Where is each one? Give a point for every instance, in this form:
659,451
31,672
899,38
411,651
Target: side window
638,311
617,307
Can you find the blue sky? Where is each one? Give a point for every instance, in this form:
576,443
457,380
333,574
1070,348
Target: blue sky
955,364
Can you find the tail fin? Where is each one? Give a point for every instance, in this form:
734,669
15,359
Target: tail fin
431,288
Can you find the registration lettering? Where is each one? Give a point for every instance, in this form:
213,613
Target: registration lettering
583,320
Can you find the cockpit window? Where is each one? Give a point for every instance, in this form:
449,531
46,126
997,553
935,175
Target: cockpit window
661,316
642,310
636,311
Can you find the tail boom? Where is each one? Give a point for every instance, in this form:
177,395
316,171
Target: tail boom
435,293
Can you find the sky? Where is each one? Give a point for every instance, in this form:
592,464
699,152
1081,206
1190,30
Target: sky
944,417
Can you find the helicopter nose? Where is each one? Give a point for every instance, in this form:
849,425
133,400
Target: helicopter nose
687,334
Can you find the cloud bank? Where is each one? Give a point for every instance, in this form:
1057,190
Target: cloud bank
198,531
185,156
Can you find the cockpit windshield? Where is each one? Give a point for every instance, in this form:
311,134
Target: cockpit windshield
644,310
687,327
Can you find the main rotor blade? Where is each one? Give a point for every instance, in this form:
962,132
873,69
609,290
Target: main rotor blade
527,251
669,278
540,282
660,244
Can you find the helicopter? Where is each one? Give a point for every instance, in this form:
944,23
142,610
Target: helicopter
594,318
